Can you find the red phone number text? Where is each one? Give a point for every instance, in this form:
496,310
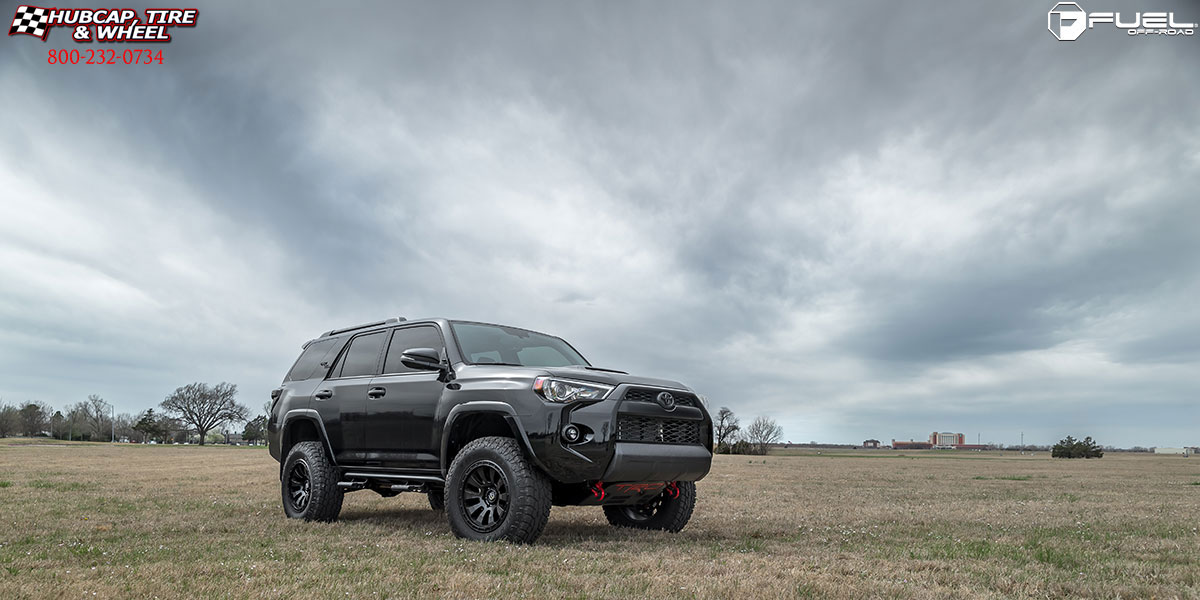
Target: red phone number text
104,56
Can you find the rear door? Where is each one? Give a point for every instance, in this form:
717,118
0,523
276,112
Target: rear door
300,383
401,408
342,398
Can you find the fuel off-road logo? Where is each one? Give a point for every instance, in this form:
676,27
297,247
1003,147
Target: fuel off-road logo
1067,21
103,24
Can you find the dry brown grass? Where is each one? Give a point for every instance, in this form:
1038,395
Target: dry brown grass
84,520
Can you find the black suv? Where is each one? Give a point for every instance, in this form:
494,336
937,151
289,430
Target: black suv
493,423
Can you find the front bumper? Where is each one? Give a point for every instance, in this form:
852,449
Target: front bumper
603,456
634,461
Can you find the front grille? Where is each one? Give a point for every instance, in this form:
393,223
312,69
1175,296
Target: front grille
648,395
661,431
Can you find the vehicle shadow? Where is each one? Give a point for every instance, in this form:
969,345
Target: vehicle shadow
603,534
399,517
558,532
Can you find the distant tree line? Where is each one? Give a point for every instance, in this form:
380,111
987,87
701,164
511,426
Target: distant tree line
1045,448
756,438
196,411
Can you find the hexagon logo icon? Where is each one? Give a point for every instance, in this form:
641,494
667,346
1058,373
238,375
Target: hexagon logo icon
1066,21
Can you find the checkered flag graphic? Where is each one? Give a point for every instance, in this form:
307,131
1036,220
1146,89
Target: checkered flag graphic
30,20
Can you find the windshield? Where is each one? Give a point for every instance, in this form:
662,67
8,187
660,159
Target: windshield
495,344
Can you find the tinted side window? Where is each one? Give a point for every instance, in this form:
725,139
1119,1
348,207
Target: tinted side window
309,360
410,337
363,355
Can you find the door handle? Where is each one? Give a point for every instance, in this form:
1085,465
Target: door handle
376,392
323,395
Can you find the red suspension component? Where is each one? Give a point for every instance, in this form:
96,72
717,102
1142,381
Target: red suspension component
672,489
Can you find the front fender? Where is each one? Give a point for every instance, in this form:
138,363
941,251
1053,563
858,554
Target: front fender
487,406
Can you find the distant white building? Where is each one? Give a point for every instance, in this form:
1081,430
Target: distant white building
1183,451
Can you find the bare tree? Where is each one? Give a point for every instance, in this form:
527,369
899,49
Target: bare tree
76,421
727,424
95,416
205,407
762,433
124,427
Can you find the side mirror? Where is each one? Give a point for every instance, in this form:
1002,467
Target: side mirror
422,359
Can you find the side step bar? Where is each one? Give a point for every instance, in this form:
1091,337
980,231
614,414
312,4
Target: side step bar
407,488
403,483
425,478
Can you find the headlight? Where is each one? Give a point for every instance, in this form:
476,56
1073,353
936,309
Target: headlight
565,390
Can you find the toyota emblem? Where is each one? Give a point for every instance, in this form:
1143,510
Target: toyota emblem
666,400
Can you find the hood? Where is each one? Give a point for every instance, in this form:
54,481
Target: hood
610,377
514,374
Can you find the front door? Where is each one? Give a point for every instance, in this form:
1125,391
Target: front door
402,403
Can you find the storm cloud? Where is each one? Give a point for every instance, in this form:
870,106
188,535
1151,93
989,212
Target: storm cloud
865,221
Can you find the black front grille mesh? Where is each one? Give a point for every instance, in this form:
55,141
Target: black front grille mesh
662,431
648,395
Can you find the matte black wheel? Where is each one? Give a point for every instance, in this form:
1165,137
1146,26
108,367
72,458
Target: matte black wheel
668,511
309,484
299,486
494,493
485,496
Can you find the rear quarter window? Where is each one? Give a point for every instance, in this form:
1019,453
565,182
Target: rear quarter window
310,360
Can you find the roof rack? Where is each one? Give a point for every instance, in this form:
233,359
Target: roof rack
363,326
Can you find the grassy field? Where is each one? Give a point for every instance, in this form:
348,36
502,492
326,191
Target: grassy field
84,520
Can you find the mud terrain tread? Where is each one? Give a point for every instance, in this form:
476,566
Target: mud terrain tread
326,501
437,499
531,496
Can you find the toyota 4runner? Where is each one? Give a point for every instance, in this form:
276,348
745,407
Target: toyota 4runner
493,423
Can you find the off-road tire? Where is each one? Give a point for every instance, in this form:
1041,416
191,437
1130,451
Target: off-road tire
522,488
437,499
324,497
666,512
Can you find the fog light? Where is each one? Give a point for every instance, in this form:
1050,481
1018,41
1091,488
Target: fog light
571,434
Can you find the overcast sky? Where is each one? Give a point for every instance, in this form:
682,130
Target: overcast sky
865,220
